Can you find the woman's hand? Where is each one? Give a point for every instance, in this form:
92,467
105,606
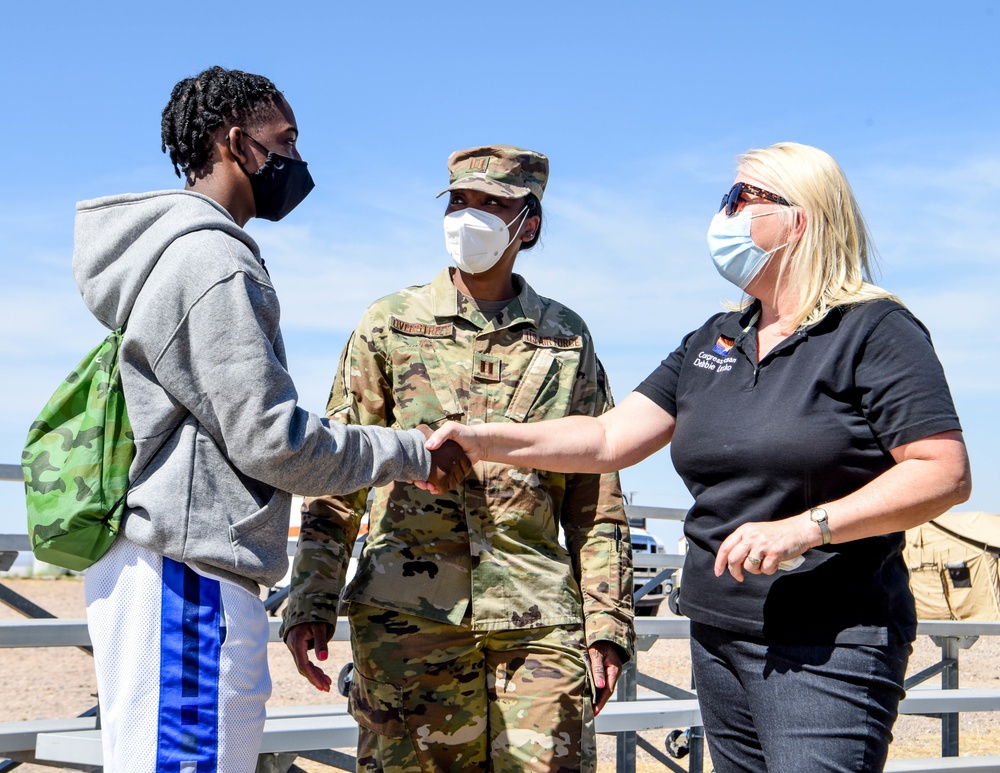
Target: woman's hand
449,465
299,639
467,437
626,434
759,547
930,475
605,667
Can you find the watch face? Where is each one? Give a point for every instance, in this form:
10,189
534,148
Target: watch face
818,516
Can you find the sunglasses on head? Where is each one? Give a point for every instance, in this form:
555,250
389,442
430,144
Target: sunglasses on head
731,200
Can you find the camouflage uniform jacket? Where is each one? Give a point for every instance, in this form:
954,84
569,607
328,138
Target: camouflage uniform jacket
427,354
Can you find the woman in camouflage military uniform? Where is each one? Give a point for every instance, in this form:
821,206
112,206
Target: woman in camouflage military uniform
480,641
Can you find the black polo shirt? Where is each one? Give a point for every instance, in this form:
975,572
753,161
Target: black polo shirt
813,422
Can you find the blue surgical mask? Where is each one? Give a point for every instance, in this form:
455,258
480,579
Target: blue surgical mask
734,253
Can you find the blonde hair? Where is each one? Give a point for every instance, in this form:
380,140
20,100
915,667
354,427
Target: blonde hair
829,265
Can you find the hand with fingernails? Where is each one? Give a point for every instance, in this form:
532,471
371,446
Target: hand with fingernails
764,547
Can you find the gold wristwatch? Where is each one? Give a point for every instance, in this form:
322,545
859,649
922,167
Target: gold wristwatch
818,516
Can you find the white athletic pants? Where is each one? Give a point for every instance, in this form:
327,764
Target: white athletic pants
181,663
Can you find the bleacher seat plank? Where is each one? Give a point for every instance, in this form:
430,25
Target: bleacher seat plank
49,632
937,701
19,737
78,747
950,764
336,730
72,632
305,710
665,712
619,716
328,726
330,731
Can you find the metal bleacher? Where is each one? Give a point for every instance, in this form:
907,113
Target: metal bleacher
326,733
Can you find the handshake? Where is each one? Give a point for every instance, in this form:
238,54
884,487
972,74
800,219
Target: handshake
449,465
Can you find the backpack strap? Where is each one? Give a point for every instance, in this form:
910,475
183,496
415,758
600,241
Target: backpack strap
121,500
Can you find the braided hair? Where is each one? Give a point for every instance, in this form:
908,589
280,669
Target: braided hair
200,105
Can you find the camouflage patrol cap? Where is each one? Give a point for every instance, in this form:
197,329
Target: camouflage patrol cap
501,169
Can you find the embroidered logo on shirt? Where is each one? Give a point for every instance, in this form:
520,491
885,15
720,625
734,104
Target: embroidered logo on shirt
420,329
555,342
723,345
708,361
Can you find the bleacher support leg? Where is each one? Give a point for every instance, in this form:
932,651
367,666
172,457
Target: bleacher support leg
949,681
696,744
627,686
696,750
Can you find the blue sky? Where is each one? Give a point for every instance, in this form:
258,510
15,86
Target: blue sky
640,106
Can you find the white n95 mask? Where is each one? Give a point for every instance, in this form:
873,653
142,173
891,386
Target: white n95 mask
733,251
476,240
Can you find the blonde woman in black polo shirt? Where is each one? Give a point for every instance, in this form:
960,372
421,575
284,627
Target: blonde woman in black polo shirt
812,425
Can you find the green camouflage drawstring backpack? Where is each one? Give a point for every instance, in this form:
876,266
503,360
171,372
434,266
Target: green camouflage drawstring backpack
76,463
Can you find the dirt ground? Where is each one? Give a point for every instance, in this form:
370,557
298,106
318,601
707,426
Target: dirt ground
59,682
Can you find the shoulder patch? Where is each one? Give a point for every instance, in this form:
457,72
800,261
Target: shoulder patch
420,329
552,342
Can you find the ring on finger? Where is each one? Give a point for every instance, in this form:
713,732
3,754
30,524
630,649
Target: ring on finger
753,561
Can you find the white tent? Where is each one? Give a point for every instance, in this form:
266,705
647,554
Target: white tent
953,563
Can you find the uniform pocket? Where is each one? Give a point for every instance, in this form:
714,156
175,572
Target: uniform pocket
531,384
612,563
377,707
622,570
545,387
422,386
616,569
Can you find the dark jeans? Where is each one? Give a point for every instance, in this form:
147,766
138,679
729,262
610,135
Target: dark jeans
778,708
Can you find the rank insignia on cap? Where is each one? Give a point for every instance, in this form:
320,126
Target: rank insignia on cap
723,345
479,164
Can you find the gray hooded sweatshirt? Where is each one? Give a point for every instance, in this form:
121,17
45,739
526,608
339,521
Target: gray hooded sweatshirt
213,409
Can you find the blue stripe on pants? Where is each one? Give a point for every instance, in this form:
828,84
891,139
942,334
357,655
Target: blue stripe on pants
190,641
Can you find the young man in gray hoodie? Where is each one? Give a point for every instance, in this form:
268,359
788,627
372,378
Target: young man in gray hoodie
178,627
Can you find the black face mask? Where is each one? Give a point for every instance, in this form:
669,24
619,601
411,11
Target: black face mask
280,185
